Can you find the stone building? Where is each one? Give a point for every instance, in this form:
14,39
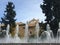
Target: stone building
21,31
32,27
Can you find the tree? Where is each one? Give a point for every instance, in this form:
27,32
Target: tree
9,15
56,9
51,8
46,8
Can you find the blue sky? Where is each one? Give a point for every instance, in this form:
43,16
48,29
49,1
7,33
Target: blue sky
25,9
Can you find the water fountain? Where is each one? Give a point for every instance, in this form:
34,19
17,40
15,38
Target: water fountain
50,31
7,32
37,31
16,39
26,33
6,38
58,33
46,36
51,38
27,38
17,30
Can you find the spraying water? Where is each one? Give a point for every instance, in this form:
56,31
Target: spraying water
37,31
50,31
7,32
51,38
17,30
58,34
46,36
6,38
26,32
16,38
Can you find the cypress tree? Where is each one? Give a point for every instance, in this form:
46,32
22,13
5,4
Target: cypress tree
51,8
9,15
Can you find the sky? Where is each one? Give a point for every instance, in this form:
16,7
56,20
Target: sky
26,10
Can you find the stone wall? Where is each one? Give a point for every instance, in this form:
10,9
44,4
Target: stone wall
32,27
21,32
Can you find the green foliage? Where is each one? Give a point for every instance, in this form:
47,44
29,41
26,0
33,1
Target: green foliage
52,8
46,8
9,14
